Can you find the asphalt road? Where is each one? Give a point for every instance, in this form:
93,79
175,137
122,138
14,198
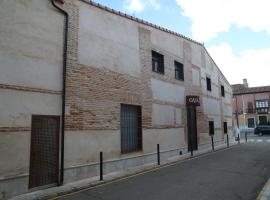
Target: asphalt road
236,173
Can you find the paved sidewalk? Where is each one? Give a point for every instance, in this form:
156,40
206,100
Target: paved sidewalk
265,193
236,173
92,182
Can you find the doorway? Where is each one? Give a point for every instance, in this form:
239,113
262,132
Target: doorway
262,120
131,128
44,152
192,128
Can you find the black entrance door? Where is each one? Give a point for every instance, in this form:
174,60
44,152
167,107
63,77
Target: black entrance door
44,151
262,120
192,128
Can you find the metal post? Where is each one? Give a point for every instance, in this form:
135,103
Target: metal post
228,140
212,138
238,138
246,136
158,155
101,166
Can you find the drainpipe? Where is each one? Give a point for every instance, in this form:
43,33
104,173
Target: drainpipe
61,179
236,103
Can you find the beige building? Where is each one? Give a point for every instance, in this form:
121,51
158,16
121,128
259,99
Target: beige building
125,91
250,106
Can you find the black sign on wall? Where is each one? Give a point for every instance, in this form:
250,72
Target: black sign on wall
192,100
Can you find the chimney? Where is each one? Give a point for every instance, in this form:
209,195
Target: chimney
245,83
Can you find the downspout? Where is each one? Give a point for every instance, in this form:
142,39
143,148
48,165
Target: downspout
61,179
237,122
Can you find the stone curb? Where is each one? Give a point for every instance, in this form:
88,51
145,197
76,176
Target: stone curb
85,184
265,192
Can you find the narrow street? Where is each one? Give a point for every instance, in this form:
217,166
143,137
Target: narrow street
236,173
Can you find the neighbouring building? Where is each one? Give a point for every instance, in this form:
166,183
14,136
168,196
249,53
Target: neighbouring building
126,86
250,105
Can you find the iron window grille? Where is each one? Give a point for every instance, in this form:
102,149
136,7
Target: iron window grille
208,84
131,128
179,70
157,62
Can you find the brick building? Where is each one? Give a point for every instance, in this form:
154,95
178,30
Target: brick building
250,105
125,87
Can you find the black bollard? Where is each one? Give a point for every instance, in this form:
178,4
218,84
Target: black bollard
101,166
158,155
246,136
228,141
238,138
213,147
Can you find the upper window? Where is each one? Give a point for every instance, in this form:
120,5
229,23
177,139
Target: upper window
225,127
262,106
208,84
179,70
157,62
222,91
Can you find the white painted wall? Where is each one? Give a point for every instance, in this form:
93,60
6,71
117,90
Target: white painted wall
196,78
14,153
17,107
109,41
215,91
163,114
211,106
83,147
167,42
227,109
178,116
167,138
196,55
164,91
31,44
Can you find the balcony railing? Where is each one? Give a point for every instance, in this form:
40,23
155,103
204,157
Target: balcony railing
253,111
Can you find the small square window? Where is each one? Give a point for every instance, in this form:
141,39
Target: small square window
225,127
157,62
222,91
211,128
208,84
179,70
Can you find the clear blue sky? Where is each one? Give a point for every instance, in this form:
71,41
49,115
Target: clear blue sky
237,36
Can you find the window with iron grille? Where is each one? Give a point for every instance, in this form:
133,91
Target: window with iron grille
251,122
157,62
131,128
222,91
211,128
208,84
179,70
225,128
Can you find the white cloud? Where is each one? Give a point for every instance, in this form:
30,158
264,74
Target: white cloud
139,5
253,64
209,17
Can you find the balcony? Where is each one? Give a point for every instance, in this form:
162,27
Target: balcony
262,110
